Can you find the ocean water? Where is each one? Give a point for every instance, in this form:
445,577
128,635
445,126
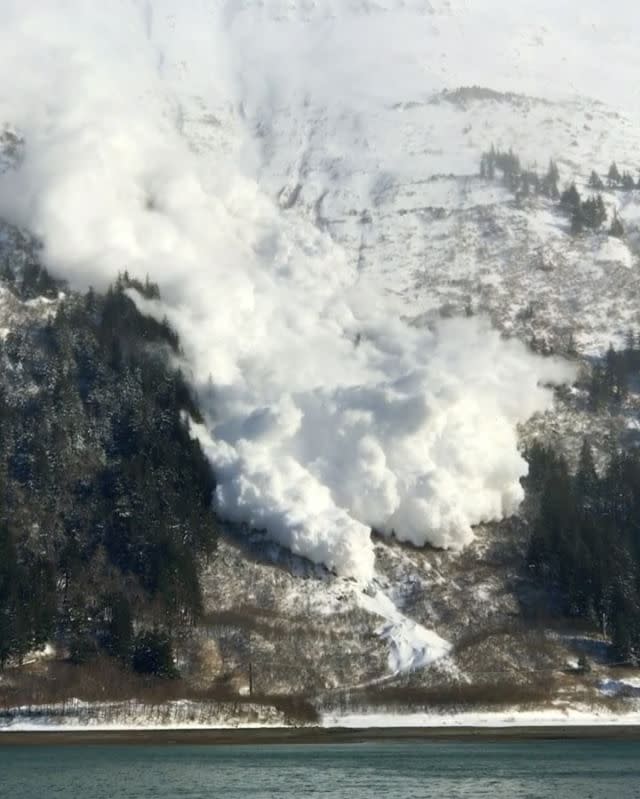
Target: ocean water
558,769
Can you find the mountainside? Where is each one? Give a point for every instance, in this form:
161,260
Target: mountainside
392,254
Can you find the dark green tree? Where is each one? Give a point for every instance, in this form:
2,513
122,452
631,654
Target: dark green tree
613,175
616,229
595,181
153,654
627,181
119,632
570,198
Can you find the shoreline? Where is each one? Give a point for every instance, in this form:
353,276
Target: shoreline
314,735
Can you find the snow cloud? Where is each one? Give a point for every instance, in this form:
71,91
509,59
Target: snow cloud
327,415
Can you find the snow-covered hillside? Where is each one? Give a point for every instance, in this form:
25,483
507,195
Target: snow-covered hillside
302,178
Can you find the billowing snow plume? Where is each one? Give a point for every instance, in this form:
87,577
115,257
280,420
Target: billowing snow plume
328,415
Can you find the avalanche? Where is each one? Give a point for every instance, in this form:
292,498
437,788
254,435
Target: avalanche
327,414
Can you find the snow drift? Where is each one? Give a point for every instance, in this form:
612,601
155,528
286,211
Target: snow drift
327,415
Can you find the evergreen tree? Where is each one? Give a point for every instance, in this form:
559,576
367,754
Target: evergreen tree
577,220
153,654
600,212
623,623
593,212
595,181
549,185
586,480
613,175
628,183
616,229
119,634
491,163
615,375
11,639
570,199
27,603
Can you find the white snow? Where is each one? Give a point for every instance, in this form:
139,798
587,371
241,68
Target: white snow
289,174
614,250
47,652
411,646
547,717
628,686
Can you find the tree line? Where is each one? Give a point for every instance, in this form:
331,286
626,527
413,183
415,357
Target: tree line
615,179
516,178
585,214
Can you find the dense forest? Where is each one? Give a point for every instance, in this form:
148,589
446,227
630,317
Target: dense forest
105,498
585,540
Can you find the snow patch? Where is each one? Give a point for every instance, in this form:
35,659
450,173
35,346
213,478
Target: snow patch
543,717
627,687
411,646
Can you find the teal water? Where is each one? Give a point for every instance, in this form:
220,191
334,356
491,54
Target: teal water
558,769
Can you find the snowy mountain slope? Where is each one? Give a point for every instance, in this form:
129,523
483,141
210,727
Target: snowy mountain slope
301,176
403,197
394,180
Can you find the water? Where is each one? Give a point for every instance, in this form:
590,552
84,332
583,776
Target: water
558,769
